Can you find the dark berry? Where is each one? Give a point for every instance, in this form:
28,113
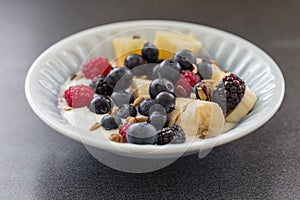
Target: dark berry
167,100
159,85
205,70
150,53
119,78
145,106
110,122
186,58
158,116
100,105
229,92
141,133
100,86
126,110
133,60
169,69
202,91
122,97
171,134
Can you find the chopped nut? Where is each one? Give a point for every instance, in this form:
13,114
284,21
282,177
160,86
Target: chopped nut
133,120
95,126
68,108
137,101
203,92
72,77
78,77
112,111
116,138
195,69
136,37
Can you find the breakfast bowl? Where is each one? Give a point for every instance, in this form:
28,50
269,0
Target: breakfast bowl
54,67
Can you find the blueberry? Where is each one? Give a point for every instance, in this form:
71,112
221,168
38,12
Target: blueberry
141,133
204,70
126,110
150,53
169,69
119,78
158,120
145,106
186,58
122,97
100,105
167,100
133,60
159,85
110,122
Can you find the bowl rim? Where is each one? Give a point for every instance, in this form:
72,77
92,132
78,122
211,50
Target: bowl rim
167,149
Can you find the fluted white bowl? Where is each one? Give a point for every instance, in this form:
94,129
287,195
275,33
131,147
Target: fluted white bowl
53,67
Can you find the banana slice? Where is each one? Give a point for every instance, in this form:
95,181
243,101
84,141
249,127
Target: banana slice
242,109
125,45
169,43
201,118
140,87
180,106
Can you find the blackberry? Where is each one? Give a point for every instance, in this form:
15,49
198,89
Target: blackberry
171,134
229,92
100,86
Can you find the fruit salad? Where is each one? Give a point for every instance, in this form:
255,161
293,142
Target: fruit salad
157,93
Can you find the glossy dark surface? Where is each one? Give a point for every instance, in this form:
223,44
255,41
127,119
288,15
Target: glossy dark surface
38,163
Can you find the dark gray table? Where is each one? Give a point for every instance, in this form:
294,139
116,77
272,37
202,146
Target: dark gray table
38,163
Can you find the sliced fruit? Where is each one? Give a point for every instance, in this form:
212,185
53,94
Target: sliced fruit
169,43
125,45
243,108
201,118
140,87
180,106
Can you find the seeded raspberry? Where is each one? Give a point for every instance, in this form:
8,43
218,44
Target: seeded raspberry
185,83
95,67
79,96
123,129
192,78
183,88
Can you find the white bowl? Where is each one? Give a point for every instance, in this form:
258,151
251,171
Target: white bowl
56,64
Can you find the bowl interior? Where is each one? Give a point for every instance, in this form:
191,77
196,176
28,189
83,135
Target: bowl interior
64,58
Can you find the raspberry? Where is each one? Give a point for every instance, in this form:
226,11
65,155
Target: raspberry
183,88
171,134
123,129
95,67
190,77
79,96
